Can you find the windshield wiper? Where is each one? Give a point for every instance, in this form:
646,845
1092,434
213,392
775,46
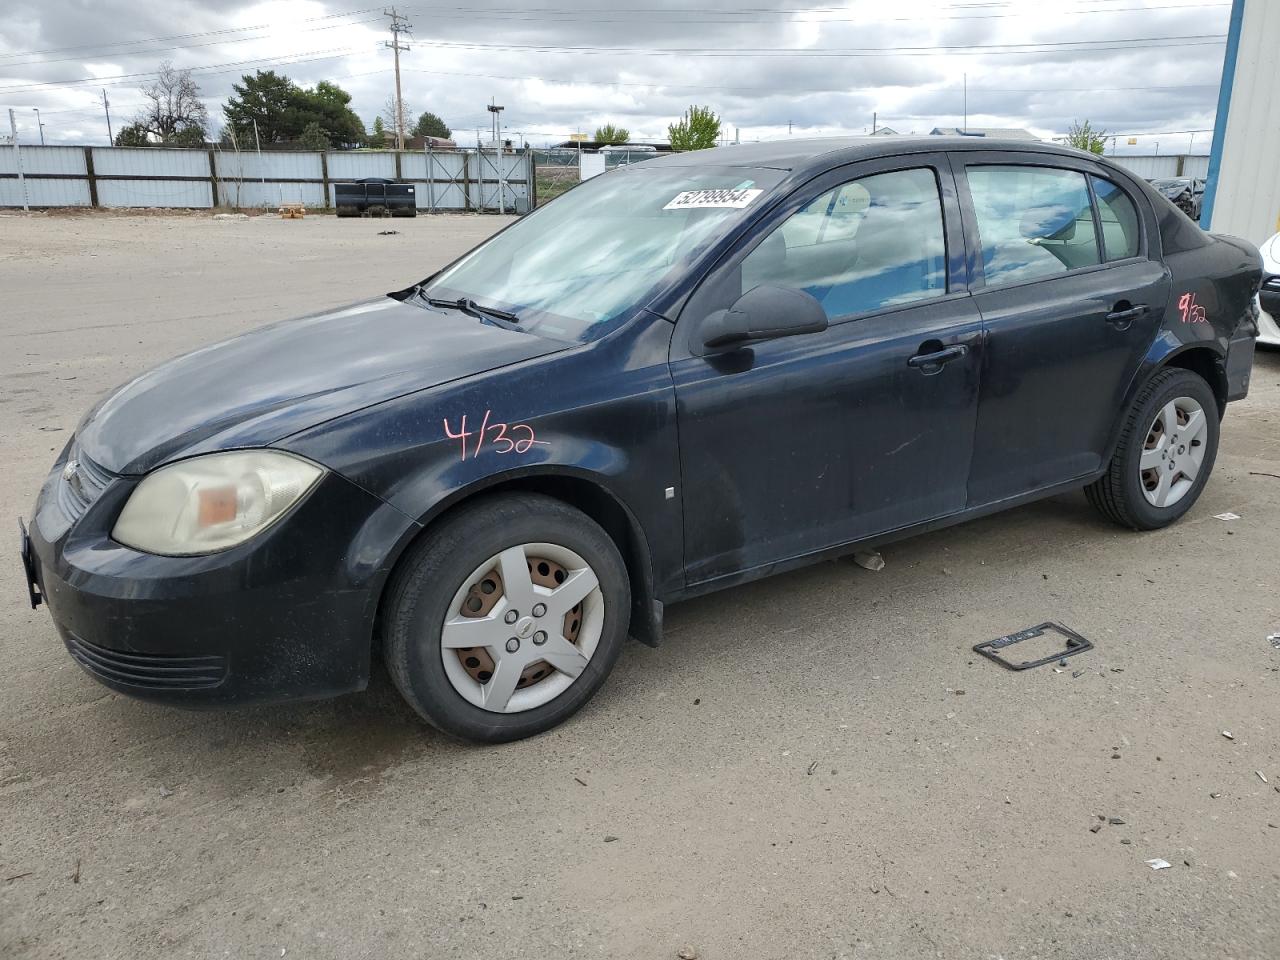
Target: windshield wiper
467,305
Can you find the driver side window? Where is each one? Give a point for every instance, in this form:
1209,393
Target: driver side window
866,244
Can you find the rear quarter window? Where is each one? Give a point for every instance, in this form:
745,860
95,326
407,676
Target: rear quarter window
1121,234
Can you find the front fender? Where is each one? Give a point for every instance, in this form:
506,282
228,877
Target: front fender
596,418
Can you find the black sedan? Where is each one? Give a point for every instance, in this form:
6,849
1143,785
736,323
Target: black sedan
679,376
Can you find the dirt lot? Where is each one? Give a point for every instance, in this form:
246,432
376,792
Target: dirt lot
812,766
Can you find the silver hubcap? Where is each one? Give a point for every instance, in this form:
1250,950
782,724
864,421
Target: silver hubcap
522,627
1173,452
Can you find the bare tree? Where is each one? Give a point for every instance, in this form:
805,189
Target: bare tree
389,115
174,112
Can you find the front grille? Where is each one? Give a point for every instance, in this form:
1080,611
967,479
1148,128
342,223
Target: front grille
78,491
152,671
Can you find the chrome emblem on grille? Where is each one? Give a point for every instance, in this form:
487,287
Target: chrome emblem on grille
70,469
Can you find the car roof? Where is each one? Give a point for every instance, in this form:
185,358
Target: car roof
801,155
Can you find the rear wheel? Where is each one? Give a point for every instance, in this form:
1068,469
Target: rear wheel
506,618
1165,454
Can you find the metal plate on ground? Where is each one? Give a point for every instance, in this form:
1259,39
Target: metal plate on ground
1072,643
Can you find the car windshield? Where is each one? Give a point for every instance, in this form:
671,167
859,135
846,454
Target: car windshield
600,250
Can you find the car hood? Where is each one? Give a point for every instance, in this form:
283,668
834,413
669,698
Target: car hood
279,379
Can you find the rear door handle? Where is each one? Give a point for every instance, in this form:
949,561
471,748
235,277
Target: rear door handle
1122,316
933,361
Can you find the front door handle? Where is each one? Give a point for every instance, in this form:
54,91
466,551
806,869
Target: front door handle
933,356
1124,314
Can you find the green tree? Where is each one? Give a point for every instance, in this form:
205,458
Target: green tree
378,138
314,138
609,134
698,129
283,110
429,125
266,98
1082,136
134,135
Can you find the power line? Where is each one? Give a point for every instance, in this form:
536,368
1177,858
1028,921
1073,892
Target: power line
990,49
191,46
729,17
212,69
178,36
658,84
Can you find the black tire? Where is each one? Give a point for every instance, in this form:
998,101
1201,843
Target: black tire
432,571
1118,493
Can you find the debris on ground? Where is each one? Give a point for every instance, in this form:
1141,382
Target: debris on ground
1115,822
1077,674
1071,641
581,782
1158,864
1227,734
388,233
1214,796
19,876
1095,828
869,560
687,953
231,216
1126,841
75,877
165,793
812,767
1261,777
1226,516
610,838
1274,638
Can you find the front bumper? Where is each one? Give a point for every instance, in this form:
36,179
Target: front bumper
286,616
1269,312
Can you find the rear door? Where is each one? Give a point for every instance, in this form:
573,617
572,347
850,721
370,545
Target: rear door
791,446
1071,298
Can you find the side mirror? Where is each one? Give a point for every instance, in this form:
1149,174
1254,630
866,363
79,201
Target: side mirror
765,312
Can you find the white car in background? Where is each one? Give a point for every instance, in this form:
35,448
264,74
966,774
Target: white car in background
1269,298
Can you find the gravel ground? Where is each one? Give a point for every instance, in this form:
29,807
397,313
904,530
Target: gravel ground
816,765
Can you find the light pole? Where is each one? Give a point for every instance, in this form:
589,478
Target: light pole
40,124
495,110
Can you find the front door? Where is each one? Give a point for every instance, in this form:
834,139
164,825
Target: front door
1070,302
791,446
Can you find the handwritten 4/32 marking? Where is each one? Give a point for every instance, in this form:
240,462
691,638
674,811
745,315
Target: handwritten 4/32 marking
1191,311
517,437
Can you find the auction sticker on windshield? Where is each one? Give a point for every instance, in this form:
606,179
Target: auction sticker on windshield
722,198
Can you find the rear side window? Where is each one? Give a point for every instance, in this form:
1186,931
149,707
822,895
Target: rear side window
1119,219
863,245
1033,222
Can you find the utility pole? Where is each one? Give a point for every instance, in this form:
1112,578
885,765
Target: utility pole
17,156
106,105
965,128
399,25
39,123
873,122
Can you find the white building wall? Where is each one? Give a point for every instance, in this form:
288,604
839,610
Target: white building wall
1247,203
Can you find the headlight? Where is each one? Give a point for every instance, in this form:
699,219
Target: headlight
214,502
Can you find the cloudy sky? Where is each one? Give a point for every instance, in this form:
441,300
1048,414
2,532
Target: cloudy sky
559,66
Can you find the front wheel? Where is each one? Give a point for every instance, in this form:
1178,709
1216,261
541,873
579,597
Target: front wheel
1166,452
504,620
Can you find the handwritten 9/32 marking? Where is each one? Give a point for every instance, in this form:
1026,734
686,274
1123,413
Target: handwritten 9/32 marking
518,437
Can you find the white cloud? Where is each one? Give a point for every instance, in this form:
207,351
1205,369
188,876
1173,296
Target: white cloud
460,58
